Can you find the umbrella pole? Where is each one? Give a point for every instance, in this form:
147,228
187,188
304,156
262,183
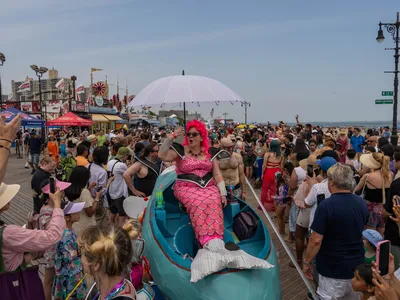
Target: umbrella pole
184,115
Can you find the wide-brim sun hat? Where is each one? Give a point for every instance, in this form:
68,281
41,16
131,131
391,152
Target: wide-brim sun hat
91,138
7,193
226,142
369,161
343,131
73,207
133,206
62,185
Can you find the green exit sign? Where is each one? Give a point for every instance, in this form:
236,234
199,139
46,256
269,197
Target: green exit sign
387,93
384,101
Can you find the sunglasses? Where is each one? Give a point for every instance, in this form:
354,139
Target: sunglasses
368,141
192,134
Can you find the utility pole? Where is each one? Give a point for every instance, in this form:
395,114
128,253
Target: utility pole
73,78
2,60
245,104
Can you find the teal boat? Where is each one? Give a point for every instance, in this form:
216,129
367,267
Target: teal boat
171,243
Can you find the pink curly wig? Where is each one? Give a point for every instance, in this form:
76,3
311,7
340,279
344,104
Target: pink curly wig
201,128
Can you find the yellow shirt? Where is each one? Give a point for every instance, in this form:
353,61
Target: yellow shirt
81,161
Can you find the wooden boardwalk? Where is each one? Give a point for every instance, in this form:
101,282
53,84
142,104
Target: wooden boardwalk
293,288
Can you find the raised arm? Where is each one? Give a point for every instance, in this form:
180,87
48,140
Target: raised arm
165,153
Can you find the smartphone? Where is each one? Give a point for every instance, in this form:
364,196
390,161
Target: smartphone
99,188
397,200
52,185
316,172
382,256
310,171
320,198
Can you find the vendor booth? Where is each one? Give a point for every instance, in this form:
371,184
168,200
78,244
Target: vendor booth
27,120
70,119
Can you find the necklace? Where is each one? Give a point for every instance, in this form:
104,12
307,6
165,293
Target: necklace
195,154
115,291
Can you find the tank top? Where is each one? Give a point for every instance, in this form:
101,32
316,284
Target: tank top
146,184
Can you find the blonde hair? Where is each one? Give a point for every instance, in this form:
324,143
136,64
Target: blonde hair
47,159
133,228
112,250
384,161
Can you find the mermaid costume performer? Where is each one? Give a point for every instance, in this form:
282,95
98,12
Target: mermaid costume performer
196,189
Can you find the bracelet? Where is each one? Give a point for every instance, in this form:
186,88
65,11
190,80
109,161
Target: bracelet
6,140
4,147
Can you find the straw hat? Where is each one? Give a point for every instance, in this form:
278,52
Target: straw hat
91,138
7,192
311,160
369,161
226,142
343,131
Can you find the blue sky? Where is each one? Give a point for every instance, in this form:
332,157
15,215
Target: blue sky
316,58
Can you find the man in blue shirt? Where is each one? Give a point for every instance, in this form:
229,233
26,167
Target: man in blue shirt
336,239
357,141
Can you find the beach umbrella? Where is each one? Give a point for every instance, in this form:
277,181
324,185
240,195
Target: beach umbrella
184,89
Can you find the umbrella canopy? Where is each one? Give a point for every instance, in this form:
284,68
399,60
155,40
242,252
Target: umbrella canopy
184,89
69,119
27,120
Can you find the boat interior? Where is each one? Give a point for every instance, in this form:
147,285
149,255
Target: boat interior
173,225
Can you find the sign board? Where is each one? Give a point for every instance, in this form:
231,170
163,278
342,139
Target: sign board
387,93
102,110
53,106
99,101
26,106
384,101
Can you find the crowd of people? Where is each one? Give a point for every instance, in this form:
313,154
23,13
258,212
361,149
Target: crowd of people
336,188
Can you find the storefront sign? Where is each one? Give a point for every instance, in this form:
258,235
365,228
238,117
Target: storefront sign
102,110
26,106
53,106
99,101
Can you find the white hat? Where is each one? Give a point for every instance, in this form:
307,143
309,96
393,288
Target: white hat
73,207
133,206
7,193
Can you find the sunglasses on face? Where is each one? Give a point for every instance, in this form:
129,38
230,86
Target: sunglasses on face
369,141
192,134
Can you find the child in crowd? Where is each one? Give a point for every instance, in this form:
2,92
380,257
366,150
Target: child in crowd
351,159
371,238
281,196
45,215
362,282
67,257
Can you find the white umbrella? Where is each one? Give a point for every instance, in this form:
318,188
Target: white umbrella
184,89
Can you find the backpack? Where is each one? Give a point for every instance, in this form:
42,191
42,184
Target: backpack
65,167
33,223
245,225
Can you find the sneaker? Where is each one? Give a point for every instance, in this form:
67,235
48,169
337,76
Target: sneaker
26,166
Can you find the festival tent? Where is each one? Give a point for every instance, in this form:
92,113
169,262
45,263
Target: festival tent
69,119
11,113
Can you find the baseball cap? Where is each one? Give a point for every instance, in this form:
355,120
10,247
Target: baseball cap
372,236
59,184
326,162
123,151
73,207
314,131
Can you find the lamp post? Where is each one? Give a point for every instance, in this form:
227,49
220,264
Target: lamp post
73,78
245,104
225,114
394,30
2,60
39,73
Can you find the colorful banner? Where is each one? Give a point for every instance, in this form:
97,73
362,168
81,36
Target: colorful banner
24,87
60,84
80,89
53,106
26,106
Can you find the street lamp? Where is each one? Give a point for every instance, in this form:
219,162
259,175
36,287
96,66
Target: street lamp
73,78
245,104
2,60
394,30
39,73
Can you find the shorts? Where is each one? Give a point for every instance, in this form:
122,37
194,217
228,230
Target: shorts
248,161
34,158
117,207
331,288
303,219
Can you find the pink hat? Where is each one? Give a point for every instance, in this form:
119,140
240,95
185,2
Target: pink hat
73,207
59,184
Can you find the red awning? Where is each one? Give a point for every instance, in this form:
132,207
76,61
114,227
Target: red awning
69,119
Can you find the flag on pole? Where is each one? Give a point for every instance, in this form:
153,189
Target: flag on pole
95,70
212,113
60,84
80,89
24,87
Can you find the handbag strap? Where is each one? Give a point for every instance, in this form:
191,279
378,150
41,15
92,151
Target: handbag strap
1,249
365,184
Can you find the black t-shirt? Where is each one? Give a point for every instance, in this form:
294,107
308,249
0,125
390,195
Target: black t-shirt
391,229
37,179
35,145
340,219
